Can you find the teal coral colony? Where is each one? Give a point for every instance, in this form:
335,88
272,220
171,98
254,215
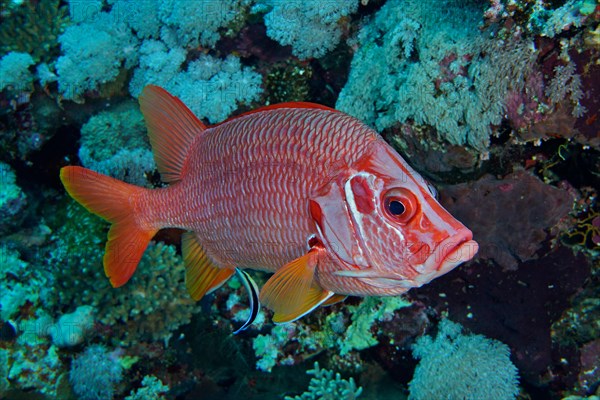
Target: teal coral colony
494,103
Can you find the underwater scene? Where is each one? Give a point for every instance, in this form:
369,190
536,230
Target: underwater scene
304,199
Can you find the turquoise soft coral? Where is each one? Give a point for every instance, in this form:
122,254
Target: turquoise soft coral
458,366
95,373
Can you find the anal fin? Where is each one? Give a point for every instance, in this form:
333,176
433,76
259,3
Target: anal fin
292,291
202,275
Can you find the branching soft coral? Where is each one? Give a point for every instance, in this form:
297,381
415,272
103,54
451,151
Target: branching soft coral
211,87
458,366
311,27
115,143
93,54
422,63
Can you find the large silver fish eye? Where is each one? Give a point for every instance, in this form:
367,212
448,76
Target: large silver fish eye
400,205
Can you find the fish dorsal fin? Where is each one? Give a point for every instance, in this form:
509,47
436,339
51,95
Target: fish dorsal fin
172,128
202,275
290,104
292,291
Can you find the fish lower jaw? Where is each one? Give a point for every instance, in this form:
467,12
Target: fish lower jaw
447,256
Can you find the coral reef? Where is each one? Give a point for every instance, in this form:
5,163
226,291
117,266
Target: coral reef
154,304
288,82
517,308
152,388
566,83
71,329
355,328
145,309
4,384
494,101
459,366
210,86
311,27
101,46
429,64
21,284
589,376
198,22
14,70
92,54
126,156
32,27
585,232
370,312
480,204
327,386
12,199
267,347
95,373
36,368
577,329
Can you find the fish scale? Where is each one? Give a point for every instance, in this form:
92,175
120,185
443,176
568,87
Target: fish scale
280,154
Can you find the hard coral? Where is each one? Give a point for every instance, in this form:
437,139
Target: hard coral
288,82
21,284
369,313
152,388
150,307
509,217
32,27
325,385
155,302
36,368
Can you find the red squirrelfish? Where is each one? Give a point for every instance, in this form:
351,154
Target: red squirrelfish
298,189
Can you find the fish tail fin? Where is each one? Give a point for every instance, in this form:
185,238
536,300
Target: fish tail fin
112,200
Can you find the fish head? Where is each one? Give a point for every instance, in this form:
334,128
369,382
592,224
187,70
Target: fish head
382,224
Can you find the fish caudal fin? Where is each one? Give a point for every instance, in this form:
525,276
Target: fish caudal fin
112,200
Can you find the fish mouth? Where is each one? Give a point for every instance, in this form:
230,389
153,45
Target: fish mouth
450,253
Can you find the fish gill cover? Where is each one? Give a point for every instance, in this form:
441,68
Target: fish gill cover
495,102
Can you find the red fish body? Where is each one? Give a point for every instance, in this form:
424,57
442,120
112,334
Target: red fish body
298,189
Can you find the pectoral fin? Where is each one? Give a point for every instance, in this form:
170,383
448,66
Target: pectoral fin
202,275
292,291
336,298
